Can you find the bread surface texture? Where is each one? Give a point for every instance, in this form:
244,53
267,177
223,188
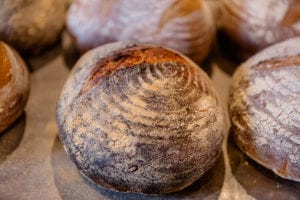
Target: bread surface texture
265,108
14,86
140,118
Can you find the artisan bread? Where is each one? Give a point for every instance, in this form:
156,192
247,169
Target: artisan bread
251,26
186,25
140,118
265,108
30,26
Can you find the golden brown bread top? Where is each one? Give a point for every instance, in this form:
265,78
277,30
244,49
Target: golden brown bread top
5,67
129,57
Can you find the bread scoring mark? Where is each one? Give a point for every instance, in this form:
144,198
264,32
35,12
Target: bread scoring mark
129,57
5,67
277,63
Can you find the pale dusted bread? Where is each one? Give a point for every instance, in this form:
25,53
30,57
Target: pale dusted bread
30,26
256,24
265,108
14,86
184,25
140,118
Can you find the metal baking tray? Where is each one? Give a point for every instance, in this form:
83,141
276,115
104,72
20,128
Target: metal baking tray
34,165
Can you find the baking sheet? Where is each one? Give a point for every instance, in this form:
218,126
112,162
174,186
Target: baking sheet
34,165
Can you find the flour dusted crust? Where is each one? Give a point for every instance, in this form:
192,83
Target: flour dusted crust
265,108
14,86
31,25
254,25
184,25
140,118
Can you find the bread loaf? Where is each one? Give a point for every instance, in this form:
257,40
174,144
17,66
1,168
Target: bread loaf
14,86
254,25
265,108
30,26
140,118
183,25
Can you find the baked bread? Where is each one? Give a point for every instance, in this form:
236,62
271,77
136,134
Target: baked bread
184,25
14,86
253,25
30,26
140,118
265,108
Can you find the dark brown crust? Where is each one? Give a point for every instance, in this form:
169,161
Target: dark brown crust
129,57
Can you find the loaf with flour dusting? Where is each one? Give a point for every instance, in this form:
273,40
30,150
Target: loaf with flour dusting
14,85
256,24
184,25
265,108
140,118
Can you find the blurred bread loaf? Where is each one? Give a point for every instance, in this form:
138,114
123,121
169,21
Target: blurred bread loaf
184,25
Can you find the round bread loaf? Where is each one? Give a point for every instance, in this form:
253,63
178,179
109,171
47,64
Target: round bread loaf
184,25
14,86
265,108
140,118
29,26
256,24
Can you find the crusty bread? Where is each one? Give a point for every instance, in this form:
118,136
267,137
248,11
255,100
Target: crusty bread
14,85
256,24
265,108
184,25
30,26
140,118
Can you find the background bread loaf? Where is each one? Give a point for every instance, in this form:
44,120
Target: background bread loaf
254,25
265,108
30,26
183,25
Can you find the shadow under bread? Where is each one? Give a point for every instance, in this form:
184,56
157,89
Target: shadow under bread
72,185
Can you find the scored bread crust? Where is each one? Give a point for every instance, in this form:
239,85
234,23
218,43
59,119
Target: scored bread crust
265,108
14,87
152,125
